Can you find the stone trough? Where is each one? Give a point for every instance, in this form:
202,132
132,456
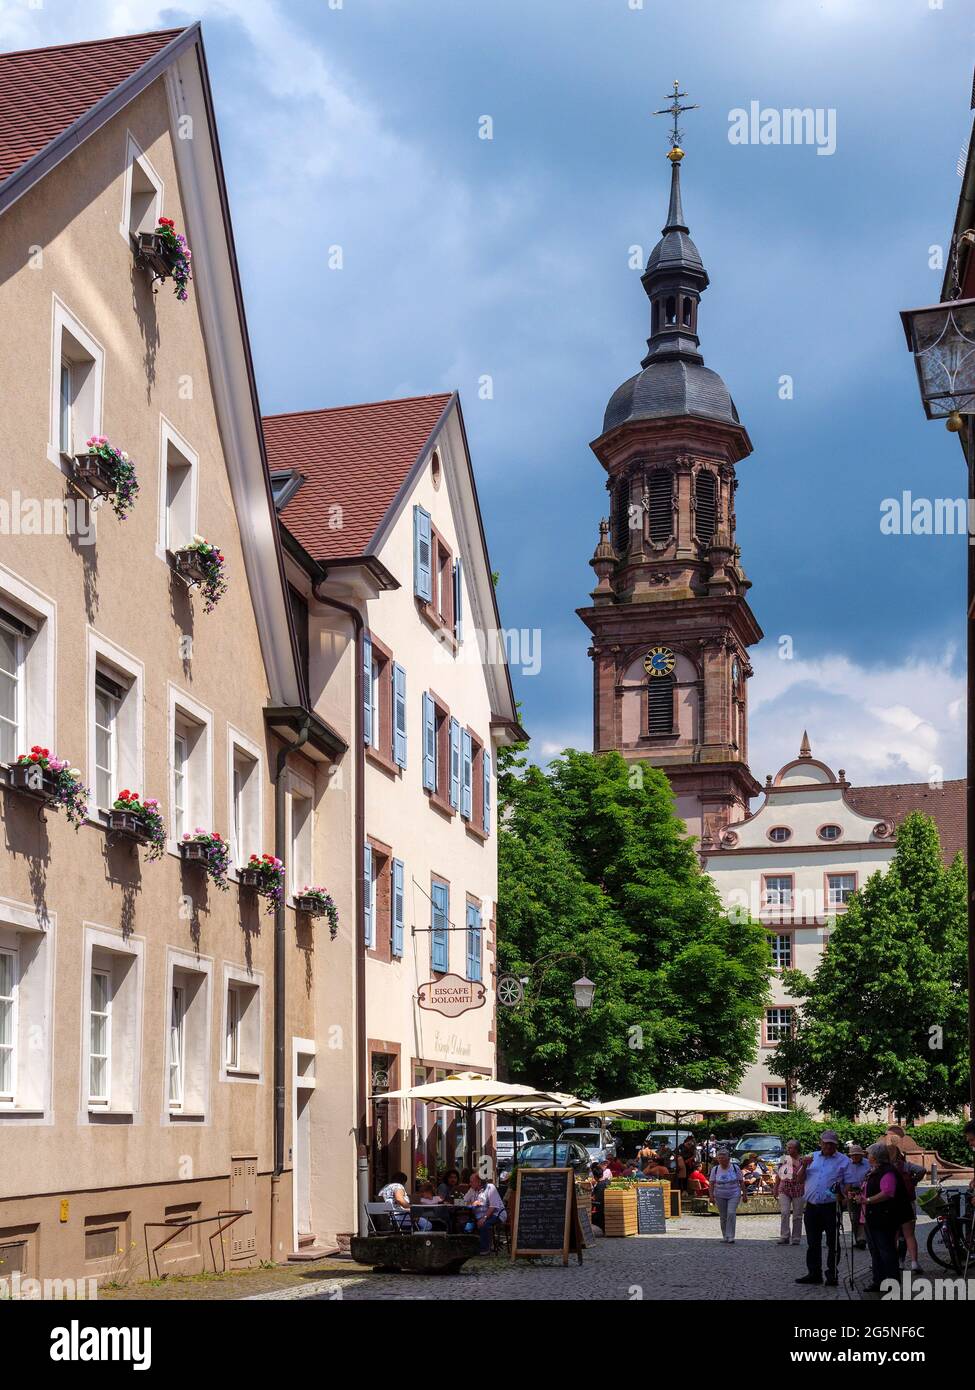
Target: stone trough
422,1252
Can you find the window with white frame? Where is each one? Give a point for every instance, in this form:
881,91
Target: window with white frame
242,1028
143,193
245,804
778,1024
781,943
778,890
26,667
108,700
8,1025
177,1045
76,394
840,888
301,835
191,765
179,465
115,721
100,1037
777,1096
180,783
187,1040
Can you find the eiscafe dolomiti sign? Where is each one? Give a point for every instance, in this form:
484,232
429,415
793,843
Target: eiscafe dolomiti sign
451,995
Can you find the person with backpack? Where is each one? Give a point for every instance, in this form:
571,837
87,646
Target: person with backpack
726,1193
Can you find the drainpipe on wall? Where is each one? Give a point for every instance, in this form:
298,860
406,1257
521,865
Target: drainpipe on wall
361,1040
280,850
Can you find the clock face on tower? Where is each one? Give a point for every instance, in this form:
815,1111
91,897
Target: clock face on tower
659,661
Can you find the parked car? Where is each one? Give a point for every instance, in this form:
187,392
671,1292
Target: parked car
598,1143
568,1154
766,1147
508,1139
674,1138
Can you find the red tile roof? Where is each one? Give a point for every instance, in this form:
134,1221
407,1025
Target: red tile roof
355,457
43,91
945,806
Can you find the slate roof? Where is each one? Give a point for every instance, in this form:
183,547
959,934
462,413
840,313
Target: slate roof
44,91
945,805
356,457
671,388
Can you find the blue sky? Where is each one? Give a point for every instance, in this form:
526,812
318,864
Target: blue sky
508,258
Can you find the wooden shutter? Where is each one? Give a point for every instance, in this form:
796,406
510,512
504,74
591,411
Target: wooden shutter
370,925
661,493
487,792
422,565
398,907
660,705
367,689
466,774
705,494
399,715
454,763
429,744
439,921
459,599
473,942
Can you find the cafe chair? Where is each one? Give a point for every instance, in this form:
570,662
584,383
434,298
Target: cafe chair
379,1219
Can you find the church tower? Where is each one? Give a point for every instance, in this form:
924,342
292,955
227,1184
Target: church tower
670,623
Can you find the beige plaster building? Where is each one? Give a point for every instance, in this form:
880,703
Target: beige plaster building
159,1061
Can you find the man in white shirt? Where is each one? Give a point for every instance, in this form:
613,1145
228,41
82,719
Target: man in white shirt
489,1209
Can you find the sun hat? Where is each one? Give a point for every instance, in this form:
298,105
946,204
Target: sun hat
829,1136
856,1149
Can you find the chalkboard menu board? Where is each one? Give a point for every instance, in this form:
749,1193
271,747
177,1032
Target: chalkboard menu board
584,1210
546,1220
651,1217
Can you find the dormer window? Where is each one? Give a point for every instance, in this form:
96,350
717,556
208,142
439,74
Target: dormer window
284,484
779,834
830,832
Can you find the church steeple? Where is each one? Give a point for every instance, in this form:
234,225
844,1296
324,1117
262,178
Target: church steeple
674,280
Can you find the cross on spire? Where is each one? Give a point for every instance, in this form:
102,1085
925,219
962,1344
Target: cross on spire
675,110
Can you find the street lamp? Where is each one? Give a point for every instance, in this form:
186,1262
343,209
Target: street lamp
582,992
942,339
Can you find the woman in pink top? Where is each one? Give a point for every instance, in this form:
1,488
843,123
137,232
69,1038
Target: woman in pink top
789,1188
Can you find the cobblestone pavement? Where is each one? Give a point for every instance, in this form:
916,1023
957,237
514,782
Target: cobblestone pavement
690,1262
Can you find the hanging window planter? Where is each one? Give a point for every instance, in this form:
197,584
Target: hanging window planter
107,472
51,781
316,902
201,565
138,820
265,874
167,255
207,849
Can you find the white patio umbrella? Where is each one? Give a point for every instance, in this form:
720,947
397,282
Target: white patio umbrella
681,1102
565,1107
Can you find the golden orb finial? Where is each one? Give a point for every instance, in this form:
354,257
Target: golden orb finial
954,422
676,154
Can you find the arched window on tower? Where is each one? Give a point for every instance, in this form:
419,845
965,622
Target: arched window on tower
705,494
621,518
687,312
660,489
671,310
660,705
655,317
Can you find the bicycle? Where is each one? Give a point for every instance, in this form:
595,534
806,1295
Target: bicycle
951,1240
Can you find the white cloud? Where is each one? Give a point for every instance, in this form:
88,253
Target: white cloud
893,723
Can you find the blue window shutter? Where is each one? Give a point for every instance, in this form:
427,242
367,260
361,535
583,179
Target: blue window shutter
473,942
429,744
367,687
399,715
454,763
459,599
367,890
398,912
422,585
487,792
466,775
439,921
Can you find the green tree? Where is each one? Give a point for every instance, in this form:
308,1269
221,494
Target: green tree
884,1018
594,863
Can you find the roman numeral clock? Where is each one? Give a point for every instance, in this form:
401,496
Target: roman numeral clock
659,661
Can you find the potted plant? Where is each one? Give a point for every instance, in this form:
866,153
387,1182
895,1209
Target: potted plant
166,254
265,874
107,472
201,563
317,902
206,848
50,779
138,819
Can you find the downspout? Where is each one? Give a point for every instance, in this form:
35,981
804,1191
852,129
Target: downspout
361,1040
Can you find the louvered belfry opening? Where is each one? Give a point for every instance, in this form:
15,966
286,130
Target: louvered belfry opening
705,493
660,490
621,517
660,705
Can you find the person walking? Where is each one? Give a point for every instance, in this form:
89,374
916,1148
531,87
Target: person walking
789,1189
859,1169
886,1207
726,1193
912,1173
826,1175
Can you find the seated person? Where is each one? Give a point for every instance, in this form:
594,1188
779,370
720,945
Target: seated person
656,1170
489,1209
449,1185
697,1184
751,1175
426,1195
397,1200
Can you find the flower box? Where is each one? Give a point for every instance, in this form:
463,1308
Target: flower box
153,252
201,565
207,849
309,905
318,902
130,826
189,565
32,780
193,852
265,874
93,474
248,878
165,252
